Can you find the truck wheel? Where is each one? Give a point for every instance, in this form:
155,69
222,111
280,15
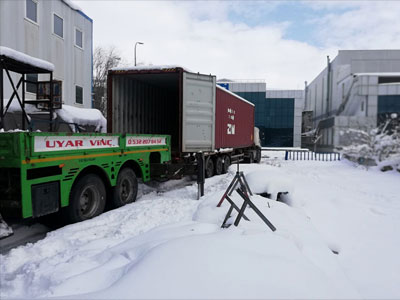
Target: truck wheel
87,199
209,168
258,156
226,164
218,166
126,189
251,158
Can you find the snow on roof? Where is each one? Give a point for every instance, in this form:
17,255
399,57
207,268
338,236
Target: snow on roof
233,94
25,58
158,67
72,5
223,80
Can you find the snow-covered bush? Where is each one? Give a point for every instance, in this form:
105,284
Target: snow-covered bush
376,146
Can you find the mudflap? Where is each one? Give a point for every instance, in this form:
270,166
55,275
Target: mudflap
5,230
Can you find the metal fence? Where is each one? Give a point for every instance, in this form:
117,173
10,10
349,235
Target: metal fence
309,155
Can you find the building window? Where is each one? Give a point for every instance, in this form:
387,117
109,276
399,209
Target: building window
389,79
58,26
78,38
31,86
31,10
362,106
78,94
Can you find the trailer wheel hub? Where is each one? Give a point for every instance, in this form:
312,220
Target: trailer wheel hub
88,200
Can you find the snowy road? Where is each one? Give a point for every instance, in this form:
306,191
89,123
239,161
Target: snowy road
168,245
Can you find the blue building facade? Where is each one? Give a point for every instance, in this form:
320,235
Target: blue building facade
275,113
274,117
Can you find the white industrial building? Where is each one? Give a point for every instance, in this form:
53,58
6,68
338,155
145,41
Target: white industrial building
278,113
358,90
56,31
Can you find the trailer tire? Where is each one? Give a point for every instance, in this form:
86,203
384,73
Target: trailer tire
226,164
251,158
126,188
209,167
258,156
87,199
218,166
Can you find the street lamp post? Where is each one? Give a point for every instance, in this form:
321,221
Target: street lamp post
140,43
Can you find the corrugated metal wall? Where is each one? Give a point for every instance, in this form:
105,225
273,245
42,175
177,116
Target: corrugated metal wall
234,126
139,107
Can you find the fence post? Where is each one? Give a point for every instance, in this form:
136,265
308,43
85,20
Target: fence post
286,155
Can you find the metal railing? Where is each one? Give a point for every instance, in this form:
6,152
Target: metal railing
310,155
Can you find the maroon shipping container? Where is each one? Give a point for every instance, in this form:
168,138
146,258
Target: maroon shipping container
199,115
234,121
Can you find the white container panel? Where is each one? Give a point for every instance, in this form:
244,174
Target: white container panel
198,112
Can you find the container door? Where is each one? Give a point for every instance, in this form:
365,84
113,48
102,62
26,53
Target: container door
198,112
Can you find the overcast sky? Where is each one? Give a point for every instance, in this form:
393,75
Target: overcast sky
282,42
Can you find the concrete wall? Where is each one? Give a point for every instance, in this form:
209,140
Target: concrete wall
247,86
352,100
73,65
347,63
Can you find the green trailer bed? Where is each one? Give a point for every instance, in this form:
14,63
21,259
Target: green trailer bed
41,173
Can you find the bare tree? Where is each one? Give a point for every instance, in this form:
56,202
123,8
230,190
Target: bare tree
103,60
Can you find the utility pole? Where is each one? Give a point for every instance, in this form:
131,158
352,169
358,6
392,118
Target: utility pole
140,43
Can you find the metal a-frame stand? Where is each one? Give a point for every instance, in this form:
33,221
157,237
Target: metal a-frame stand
243,191
238,179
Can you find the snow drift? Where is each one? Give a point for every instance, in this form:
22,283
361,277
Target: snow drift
167,245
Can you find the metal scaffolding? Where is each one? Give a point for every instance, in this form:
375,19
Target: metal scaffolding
10,64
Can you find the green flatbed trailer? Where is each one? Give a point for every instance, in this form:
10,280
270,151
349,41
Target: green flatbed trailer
42,173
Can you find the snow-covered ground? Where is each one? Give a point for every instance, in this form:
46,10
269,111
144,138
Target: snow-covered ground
169,245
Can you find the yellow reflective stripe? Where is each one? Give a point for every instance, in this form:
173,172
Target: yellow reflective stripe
39,160
140,151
